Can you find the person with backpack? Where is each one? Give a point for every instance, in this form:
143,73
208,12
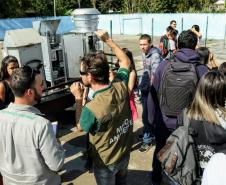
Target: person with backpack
151,60
201,132
174,85
168,41
207,115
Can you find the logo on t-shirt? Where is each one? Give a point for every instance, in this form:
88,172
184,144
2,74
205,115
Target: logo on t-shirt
122,129
205,153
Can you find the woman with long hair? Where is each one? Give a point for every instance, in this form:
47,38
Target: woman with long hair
207,58
207,115
132,83
9,64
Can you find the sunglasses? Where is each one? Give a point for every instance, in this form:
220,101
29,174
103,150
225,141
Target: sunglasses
82,73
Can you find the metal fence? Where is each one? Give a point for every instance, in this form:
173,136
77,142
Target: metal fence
213,26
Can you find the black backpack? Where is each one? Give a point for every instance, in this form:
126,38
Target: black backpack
177,86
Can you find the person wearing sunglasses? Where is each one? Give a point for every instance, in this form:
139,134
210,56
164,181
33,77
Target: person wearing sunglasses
30,153
107,118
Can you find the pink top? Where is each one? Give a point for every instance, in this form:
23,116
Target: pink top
133,107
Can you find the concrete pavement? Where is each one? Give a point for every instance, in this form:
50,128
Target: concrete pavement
74,171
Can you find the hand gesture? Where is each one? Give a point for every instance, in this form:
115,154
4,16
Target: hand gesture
193,29
103,35
77,90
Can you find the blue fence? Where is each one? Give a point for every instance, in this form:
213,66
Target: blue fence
135,23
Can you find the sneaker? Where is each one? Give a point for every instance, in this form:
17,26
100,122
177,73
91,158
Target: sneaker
148,138
140,136
145,147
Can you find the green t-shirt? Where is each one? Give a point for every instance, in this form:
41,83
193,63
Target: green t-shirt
87,119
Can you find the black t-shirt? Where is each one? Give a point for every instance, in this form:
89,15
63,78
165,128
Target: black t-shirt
9,96
209,138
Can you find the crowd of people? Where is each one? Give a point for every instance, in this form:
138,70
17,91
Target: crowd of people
179,78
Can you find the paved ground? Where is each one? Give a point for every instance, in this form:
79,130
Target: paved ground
74,171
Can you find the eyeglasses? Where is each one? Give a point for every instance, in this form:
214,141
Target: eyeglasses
82,73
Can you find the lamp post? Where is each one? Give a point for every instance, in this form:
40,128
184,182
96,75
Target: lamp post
54,8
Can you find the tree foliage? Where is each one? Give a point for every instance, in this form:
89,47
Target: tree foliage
136,6
26,8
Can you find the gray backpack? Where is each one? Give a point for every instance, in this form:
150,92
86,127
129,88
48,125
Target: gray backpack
177,86
178,157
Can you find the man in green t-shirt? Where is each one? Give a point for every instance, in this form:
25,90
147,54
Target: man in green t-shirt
107,118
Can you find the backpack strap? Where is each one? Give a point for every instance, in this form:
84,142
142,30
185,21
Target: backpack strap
186,120
169,62
195,151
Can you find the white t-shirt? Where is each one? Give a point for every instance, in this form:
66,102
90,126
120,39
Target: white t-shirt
90,94
171,45
215,171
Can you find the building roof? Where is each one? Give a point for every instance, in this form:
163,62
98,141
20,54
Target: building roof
219,2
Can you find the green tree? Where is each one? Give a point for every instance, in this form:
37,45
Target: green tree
11,8
105,5
26,8
144,6
164,6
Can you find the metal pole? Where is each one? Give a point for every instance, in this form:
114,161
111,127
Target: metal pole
54,8
225,36
207,18
111,28
111,37
122,26
182,24
141,26
79,3
152,29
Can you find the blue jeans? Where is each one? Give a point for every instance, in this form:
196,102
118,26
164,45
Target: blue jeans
148,130
112,174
